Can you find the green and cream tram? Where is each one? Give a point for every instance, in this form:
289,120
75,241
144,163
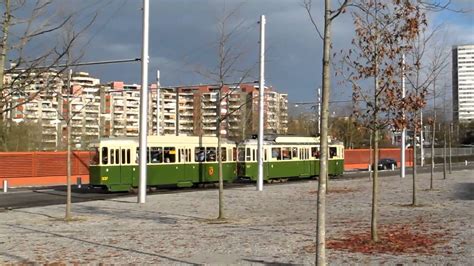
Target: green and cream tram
181,161
287,157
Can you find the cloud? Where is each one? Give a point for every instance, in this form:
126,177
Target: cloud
183,35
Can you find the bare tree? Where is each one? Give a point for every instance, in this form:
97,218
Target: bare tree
230,57
329,16
26,24
429,61
383,30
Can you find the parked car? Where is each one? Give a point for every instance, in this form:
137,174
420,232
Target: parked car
386,163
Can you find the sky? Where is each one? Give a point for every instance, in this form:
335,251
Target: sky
183,37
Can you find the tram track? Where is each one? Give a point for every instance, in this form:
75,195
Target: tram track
44,196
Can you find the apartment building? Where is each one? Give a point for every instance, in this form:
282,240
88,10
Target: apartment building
193,110
463,83
46,97
102,110
36,94
85,101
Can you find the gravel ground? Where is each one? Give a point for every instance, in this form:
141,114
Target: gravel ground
273,226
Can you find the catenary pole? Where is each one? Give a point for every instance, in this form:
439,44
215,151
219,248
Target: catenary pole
402,148
260,104
422,140
158,97
143,107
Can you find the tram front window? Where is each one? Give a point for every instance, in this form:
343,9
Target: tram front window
105,153
94,156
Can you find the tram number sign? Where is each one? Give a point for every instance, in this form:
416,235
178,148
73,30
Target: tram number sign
104,178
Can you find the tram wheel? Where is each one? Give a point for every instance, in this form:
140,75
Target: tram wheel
134,190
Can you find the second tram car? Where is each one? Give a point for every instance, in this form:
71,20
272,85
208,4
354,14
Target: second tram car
287,157
181,161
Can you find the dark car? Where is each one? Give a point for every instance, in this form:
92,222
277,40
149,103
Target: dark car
386,163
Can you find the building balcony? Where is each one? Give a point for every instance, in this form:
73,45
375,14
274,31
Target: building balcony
49,125
186,114
185,128
171,105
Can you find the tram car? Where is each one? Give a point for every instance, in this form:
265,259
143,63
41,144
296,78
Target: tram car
287,157
181,161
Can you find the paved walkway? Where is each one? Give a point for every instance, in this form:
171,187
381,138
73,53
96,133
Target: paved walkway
273,226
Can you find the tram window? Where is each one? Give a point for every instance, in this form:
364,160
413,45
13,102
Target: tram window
124,158
156,154
117,156
241,154
112,156
199,154
224,154
128,156
332,152
249,155
276,153
105,155
285,154
210,154
315,152
147,157
253,155
295,152
265,154
170,154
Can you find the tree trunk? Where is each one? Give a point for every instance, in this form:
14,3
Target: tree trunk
450,151
432,151
433,136
4,49
375,183
3,54
323,162
444,153
69,166
375,188
221,180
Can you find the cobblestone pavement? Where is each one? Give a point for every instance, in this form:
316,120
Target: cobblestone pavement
273,226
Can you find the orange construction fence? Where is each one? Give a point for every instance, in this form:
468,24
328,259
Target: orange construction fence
42,168
360,158
49,168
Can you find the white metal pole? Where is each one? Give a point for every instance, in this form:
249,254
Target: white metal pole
158,96
143,107
402,148
5,186
422,139
260,104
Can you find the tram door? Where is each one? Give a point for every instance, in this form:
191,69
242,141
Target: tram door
127,171
305,163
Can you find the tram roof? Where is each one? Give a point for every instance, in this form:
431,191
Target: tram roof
282,140
167,139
